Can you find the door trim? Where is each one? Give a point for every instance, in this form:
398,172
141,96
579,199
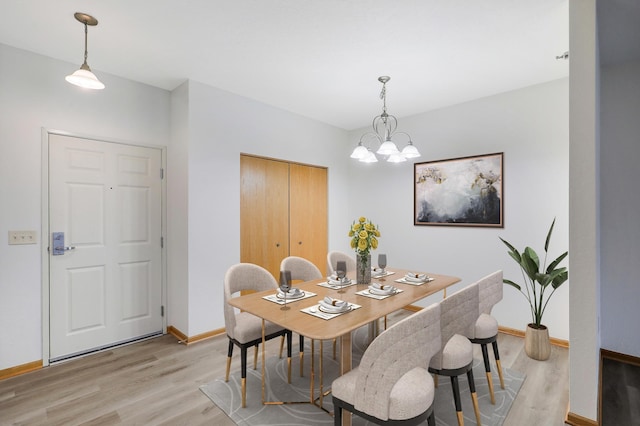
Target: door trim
45,232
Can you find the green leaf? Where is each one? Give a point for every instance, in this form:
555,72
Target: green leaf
511,283
555,263
546,243
513,251
515,256
560,279
530,262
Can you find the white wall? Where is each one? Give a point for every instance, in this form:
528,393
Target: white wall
584,206
220,126
177,211
209,130
620,207
33,95
531,127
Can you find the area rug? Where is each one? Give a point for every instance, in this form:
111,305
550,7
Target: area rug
226,395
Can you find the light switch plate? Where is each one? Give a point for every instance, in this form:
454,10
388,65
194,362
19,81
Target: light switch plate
22,237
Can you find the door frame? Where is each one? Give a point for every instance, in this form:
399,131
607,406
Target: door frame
45,233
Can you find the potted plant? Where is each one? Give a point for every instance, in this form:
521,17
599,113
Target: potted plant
364,238
540,282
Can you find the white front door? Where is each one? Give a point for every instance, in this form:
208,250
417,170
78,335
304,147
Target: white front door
106,287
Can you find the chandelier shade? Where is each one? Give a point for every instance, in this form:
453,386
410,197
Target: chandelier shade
83,77
384,130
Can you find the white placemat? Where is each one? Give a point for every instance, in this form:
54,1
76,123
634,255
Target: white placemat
336,286
367,293
386,274
403,281
316,312
275,299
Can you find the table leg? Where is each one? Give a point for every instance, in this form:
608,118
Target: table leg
373,330
263,360
321,374
311,389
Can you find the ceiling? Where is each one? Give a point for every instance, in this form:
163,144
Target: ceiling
320,59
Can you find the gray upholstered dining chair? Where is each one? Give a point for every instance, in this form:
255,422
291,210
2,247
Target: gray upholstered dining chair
335,256
458,315
243,329
485,330
305,270
391,384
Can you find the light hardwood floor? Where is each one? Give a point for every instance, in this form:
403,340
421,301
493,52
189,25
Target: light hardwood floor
156,382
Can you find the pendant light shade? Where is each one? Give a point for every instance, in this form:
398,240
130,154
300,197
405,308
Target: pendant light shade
384,129
388,148
84,77
410,151
360,152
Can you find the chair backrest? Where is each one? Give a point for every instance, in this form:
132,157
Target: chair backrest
239,277
490,291
301,268
334,256
458,315
408,344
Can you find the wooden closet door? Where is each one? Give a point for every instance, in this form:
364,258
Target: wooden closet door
264,212
308,213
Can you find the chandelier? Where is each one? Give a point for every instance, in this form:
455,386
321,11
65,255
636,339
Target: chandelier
384,129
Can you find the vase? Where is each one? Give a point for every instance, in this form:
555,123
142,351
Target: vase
363,269
536,342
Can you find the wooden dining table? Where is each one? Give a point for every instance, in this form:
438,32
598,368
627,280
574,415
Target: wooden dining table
369,312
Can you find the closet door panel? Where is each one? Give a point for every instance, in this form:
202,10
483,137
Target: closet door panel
308,214
264,212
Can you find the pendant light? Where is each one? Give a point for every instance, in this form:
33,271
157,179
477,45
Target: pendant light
384,130
84,77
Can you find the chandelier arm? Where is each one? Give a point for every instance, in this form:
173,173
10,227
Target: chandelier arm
404,133
368,135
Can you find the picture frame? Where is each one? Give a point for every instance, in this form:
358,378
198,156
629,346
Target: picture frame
464,191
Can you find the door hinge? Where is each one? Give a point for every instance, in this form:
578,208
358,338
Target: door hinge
161,242
162,310
161,173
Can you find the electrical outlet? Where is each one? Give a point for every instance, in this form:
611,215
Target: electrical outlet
22,237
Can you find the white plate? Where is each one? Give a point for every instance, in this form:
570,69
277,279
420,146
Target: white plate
379,292
416,280
338,283
289,297
334,311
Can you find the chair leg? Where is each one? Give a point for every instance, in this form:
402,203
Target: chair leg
289,342
496,354
281,345
487,369
301,349
229,355
255,357
431,420
474,396
337,414
243,362
334,348
456,399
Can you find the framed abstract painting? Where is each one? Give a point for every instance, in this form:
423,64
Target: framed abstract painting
466,191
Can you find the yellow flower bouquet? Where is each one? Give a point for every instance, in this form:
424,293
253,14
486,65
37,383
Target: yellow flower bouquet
364,238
